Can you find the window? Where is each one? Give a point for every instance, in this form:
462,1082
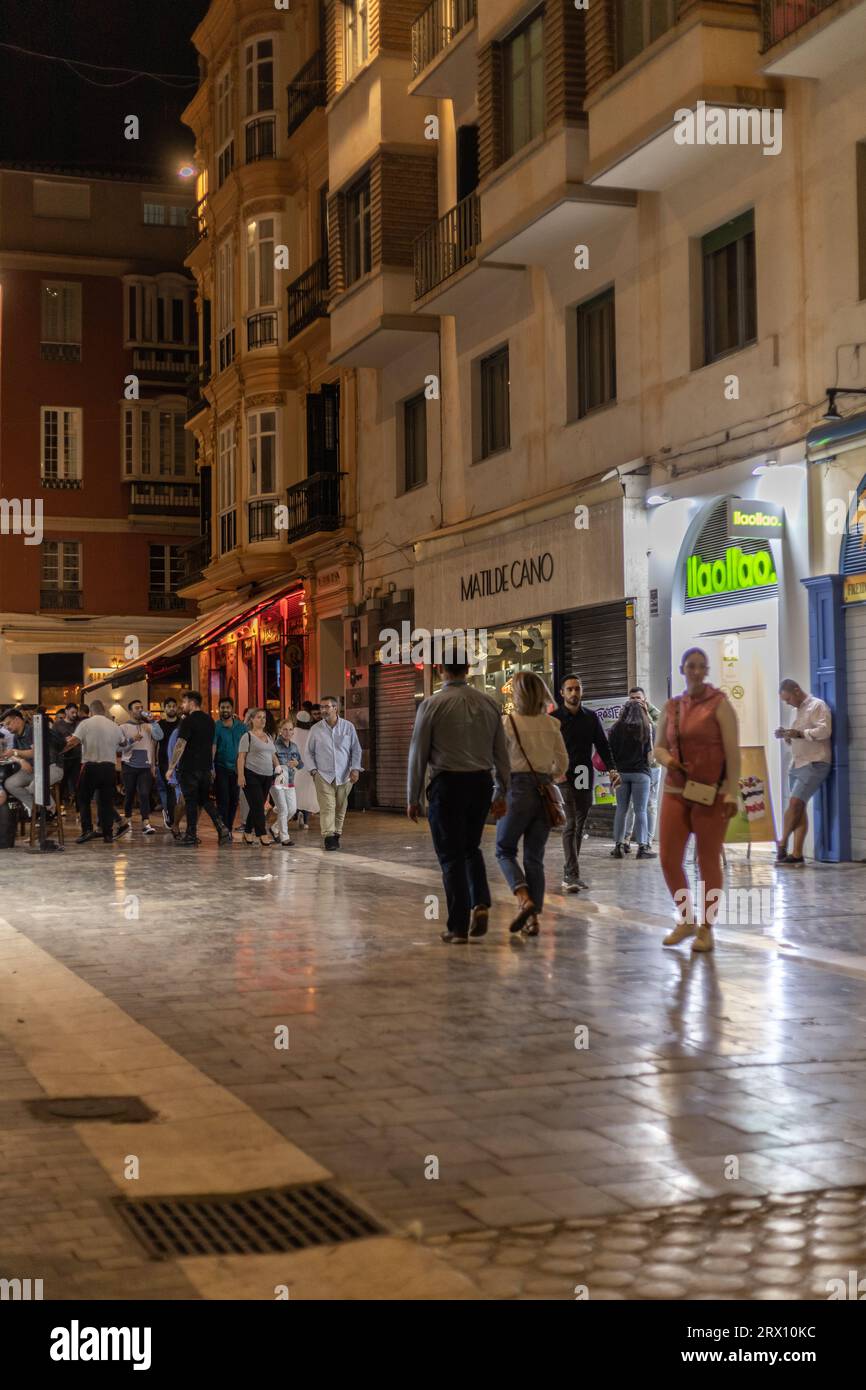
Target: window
596,352
524,85
166,569
61,321
356,37
639,23
155,443
358,231
262,444
61,444
225,303
225,126
61,566
165,215
730,289
260,264
226,488
259,77
414,442
70,201
495,409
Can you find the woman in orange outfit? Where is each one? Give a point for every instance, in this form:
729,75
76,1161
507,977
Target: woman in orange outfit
697,740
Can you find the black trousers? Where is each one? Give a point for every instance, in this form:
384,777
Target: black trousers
578,805
196,793
257,788
137,781
227,794
457,807
97,779
71,774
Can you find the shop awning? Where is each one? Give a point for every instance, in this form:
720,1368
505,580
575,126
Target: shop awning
834,437
197,635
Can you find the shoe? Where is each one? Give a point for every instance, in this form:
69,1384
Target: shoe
570,885
581,882
121,829
330,842
478,921
166,820
266,844
147,828
109,839
679,933
781,854
248,839
791,861
337,842
287,844
616,852
225,835
275,835
704,939
184,842
644,852
531,928
626,847
88,835
454,938
527,910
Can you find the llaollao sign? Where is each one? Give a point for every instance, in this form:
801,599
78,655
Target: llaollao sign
731,575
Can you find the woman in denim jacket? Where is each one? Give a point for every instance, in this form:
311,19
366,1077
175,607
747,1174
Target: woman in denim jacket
283,790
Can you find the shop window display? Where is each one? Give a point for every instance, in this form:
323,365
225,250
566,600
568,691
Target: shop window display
515,647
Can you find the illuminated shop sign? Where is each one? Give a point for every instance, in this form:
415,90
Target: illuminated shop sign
759,521
501,579
854,588
736,572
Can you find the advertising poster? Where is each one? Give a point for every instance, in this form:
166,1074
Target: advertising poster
754,822
608,712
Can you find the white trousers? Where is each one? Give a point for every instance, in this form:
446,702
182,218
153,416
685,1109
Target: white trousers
286,802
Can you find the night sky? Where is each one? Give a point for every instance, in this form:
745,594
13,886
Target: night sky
52,116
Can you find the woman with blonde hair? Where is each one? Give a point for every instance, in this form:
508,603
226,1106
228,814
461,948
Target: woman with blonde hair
537,755
258,765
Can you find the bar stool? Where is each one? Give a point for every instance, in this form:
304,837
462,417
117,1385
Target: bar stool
58,807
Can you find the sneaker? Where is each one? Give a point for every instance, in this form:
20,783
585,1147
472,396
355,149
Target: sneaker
88,835
616,852
287,843
147,828
184,842
581,882
337,842
626,847
166,820
478,921
679,933
454,938
570,885
225,835
781,854
644,852
121,829
704,939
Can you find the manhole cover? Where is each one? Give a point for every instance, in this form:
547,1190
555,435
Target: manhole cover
246,1223
118,1109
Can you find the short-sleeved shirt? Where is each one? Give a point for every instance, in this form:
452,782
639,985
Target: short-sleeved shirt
259,755
196,730
227,738
100,739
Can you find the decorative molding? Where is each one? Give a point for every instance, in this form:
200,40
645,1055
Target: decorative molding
263,205
265,399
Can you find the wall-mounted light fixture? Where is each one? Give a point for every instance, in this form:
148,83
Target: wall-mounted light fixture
831,413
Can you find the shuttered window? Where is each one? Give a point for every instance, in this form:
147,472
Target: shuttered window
396,694
593,644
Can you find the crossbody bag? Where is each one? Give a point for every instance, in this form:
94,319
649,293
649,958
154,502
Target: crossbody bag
701,793
551,796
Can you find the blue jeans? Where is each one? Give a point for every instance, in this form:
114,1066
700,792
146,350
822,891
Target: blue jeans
525,817
652,808
635,788
457,807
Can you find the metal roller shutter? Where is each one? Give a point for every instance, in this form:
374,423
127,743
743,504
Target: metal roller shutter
394,691
855,623
594,646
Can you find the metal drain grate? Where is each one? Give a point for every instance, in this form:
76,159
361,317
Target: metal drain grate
246,1223
120,1110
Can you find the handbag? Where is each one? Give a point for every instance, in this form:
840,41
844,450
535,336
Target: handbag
701,793
551,796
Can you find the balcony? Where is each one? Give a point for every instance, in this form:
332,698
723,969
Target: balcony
163,499
812,38
64,600
262,330
60,352
308,297
196,558
166,364
444,47
306,91
196,226
372,321
196,400
314,505
61,484
260,139
260,520
448,245
165,603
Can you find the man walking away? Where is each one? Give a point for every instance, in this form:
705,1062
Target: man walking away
141,734
458,734
810,741
99,739
582,732
638,693
227,735
334,758
165,789
192,756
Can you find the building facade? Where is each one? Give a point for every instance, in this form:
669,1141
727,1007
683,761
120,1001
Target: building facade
97,478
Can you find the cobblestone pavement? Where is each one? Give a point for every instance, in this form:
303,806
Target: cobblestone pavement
588,1076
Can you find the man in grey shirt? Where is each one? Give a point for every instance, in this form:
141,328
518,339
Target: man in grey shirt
100,740
458,734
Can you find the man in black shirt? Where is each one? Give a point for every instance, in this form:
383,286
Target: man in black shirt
168,724
582,732
193,758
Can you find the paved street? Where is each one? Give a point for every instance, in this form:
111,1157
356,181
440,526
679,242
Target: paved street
708,1140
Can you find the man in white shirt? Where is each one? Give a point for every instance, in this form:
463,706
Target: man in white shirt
810,741
334,759
100,740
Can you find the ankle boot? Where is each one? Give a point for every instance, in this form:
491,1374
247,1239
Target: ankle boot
704,939
616,852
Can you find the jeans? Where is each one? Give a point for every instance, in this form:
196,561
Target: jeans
137,781
635,787
652,808
166,793
286,801
98,779
196,793
577,807
457,807
227,794
257,787
525,817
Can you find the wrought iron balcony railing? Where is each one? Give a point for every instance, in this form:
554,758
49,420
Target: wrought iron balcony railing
435,28
784,17
195,383
260,520
306,91
261,329
447,245
164,499
68,599
261,139
62,484
308,297
60,352
314,505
